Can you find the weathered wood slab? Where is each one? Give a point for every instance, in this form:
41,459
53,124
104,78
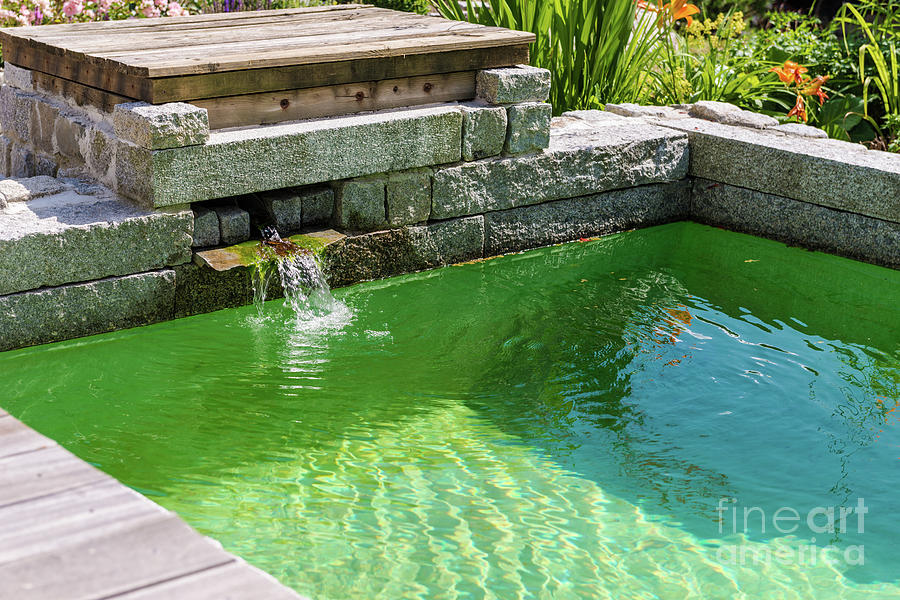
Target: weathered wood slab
82,95
311,103
288,49
146,552
16,438
69,531
88,512
234,581
43,472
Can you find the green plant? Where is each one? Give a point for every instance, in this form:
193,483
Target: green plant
756,8
597,51
705,62
882,17
822,48
415,6
885,78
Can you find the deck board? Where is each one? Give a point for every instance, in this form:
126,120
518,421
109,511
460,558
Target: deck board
344,99
234,581
125,558
51,470
156,39
67,530
139,59
16,438
48,523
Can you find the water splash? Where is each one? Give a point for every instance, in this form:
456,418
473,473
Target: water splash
302,281
304,285
260,279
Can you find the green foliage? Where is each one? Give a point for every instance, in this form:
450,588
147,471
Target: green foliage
598,51
886,77
415,6
881,17
755,8
824,50
707,63
804,39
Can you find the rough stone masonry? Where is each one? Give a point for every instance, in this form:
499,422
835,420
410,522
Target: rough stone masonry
120,219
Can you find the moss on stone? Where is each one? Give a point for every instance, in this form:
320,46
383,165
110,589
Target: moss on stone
251,252
310,242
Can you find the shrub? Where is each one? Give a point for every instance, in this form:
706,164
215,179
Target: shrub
45,12
707,61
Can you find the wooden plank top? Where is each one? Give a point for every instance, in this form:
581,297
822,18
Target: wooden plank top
200,44
69,531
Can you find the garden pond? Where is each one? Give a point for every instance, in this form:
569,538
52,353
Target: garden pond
591,420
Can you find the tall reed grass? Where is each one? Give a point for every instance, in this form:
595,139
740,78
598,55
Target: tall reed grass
598,51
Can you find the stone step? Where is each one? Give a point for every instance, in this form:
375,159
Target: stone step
590,152
80,309
80,232
751,151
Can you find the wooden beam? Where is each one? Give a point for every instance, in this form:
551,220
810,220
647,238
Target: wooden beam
215,85
235,83
327,101
82,95
79,71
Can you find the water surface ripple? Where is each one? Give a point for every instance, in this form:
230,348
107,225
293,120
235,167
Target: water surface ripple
556,424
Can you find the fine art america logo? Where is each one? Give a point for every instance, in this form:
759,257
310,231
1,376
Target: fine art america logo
824,521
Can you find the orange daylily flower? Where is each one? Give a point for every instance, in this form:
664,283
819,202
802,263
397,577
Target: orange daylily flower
814,86
791,72
680,9
799,110
674,10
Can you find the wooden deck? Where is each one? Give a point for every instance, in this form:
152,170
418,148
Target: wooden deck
70,532
358,57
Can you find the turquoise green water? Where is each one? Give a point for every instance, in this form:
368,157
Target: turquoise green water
556,424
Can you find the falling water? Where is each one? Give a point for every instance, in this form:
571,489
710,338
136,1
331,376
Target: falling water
302,280
304,285
262,275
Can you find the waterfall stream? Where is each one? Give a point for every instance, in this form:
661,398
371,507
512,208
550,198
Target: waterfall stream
305,289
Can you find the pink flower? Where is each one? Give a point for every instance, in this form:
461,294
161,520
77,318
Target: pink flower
176,10
148,8
72,8
26,16
103,6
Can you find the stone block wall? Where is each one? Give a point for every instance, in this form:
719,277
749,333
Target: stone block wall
407,190
165,155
